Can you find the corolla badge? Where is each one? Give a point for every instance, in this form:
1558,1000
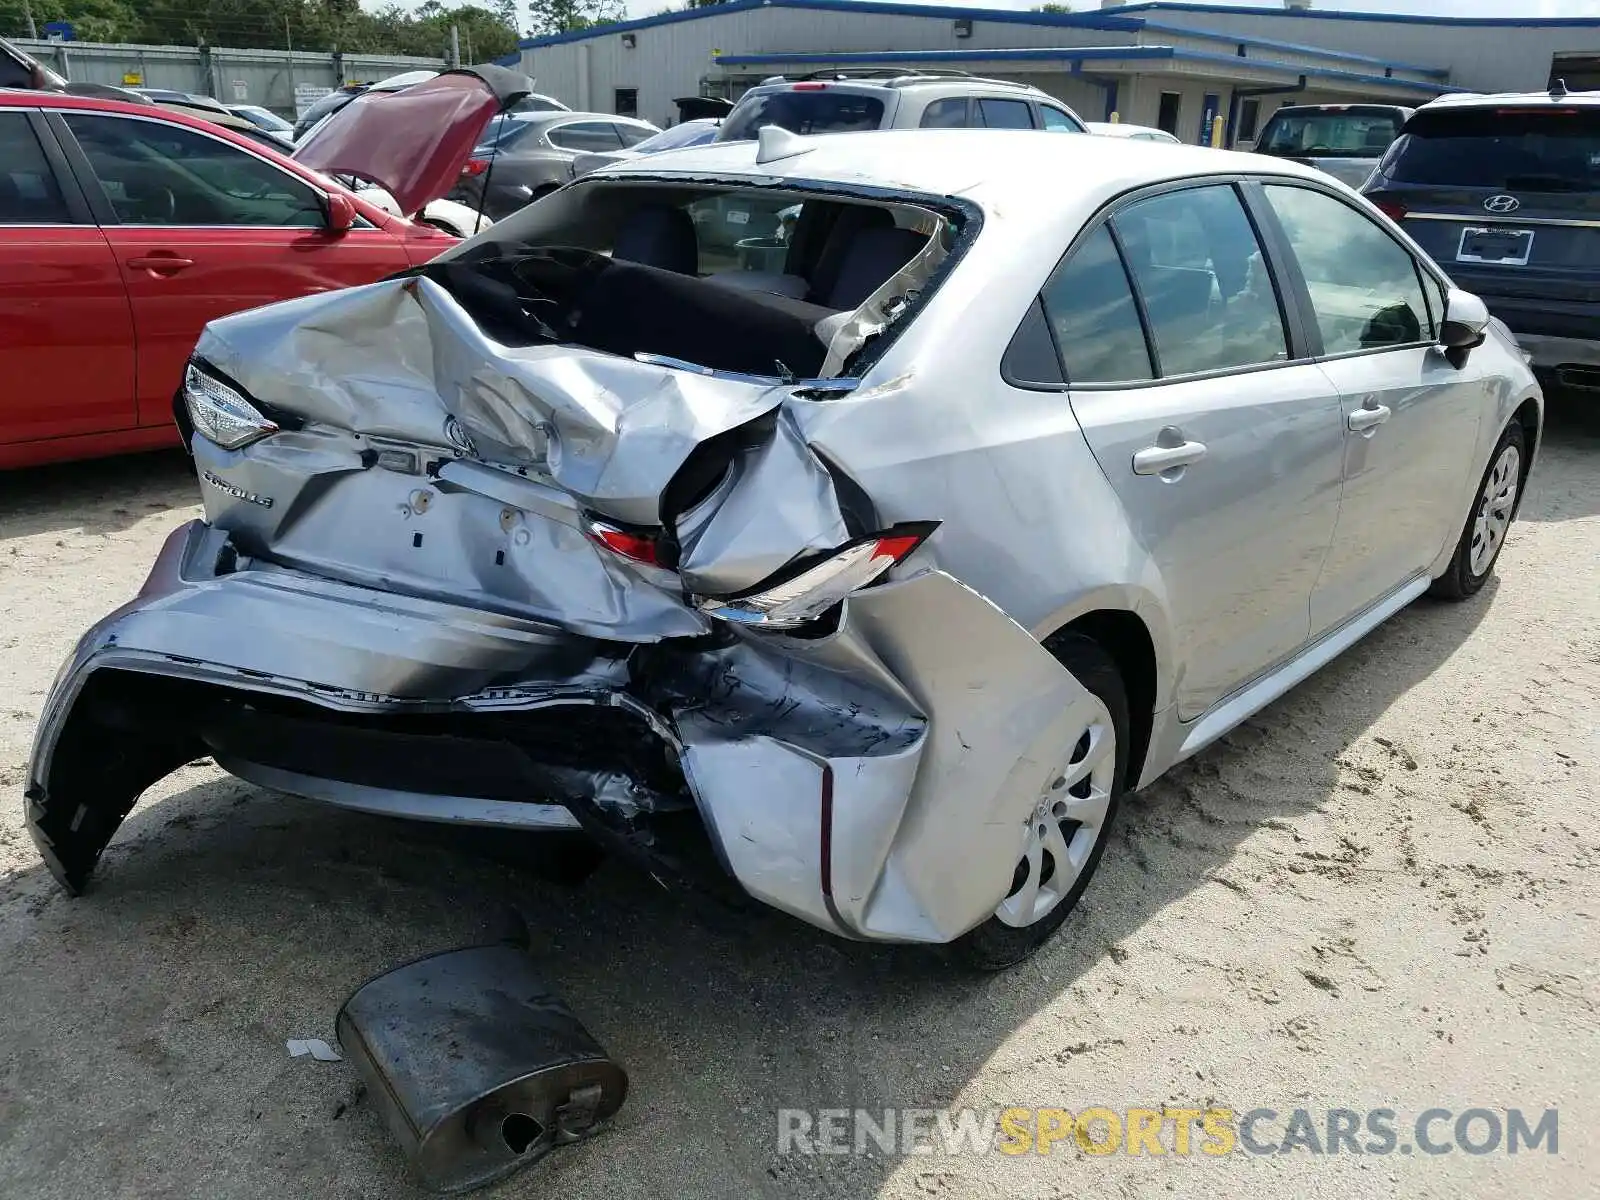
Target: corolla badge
1502,204
238,493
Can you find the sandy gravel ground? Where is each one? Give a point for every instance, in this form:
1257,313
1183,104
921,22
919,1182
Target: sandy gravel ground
1380,892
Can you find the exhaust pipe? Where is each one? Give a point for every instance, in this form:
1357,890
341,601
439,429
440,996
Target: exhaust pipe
478,1068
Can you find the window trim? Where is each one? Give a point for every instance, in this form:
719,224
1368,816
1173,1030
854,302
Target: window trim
100,203
79,215
1303,290
1296,341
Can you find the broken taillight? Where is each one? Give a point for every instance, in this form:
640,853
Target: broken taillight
801,596
630,544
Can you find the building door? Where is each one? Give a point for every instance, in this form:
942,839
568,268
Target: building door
1167,115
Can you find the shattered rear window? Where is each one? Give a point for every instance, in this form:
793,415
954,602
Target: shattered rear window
754,280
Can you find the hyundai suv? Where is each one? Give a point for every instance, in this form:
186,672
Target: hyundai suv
1504,191
855,101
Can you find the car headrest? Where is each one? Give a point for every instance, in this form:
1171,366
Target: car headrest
659,235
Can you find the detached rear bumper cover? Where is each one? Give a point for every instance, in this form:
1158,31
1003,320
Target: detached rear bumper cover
873,782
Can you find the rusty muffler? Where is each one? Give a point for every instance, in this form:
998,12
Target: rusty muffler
479,1069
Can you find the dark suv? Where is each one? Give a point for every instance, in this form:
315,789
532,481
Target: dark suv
1504,193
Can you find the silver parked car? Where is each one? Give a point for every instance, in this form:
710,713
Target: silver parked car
872,582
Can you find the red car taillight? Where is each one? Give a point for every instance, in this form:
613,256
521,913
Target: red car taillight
796,598
1392,209
638,547
475,166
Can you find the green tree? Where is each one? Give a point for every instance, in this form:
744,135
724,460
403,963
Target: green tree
1053,8
546,17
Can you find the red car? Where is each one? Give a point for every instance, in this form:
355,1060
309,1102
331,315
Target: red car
124,229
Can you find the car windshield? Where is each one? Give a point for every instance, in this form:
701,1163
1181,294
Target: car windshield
1544,149
691,133
803,112
1329,134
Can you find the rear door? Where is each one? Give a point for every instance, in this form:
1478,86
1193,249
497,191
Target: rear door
1410,418
1223,442
201,228
1507,200
66,330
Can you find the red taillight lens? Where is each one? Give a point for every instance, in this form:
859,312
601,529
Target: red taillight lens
639,547
1392,209
475,166
810,87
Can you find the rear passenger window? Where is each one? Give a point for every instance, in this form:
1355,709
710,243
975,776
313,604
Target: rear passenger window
586,135
945,114
1004,114
1365,288
1092,313
1204,281
28,191
1057,120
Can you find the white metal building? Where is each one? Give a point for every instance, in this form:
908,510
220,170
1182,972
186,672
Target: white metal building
1172,65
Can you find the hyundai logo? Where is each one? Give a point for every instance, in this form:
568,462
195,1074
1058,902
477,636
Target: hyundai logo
1502,204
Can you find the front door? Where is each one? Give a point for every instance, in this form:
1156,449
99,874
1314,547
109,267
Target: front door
1410,418
201,228
1223,446
66,332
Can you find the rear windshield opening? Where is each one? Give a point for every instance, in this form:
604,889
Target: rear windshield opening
1329,135
803,112
754,280
1552,150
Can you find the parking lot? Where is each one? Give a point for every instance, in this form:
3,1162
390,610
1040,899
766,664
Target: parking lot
1379,892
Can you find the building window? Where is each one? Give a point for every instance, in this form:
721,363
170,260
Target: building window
1171,107
1249,120
627,102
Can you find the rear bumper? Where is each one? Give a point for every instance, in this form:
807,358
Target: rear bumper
1553,354
875,782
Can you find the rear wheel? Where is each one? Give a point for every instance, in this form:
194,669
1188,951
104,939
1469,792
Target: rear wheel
1488,521
1066,831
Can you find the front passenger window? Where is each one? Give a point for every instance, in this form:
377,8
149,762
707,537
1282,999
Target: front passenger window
159,174
1365,288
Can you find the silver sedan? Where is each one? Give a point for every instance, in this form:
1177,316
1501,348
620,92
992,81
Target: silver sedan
867,558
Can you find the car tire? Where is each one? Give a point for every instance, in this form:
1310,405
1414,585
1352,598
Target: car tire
997,943
1494,506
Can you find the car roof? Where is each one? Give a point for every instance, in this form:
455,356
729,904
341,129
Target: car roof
898,80
1293,110
1555,99
999,168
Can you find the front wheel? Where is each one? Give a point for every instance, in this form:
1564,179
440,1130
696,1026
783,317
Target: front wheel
1066,831
1488,521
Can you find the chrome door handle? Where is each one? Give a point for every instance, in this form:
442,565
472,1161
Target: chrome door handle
1367,417
1155,460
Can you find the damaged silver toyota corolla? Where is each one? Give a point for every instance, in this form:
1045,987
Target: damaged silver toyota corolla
866,511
